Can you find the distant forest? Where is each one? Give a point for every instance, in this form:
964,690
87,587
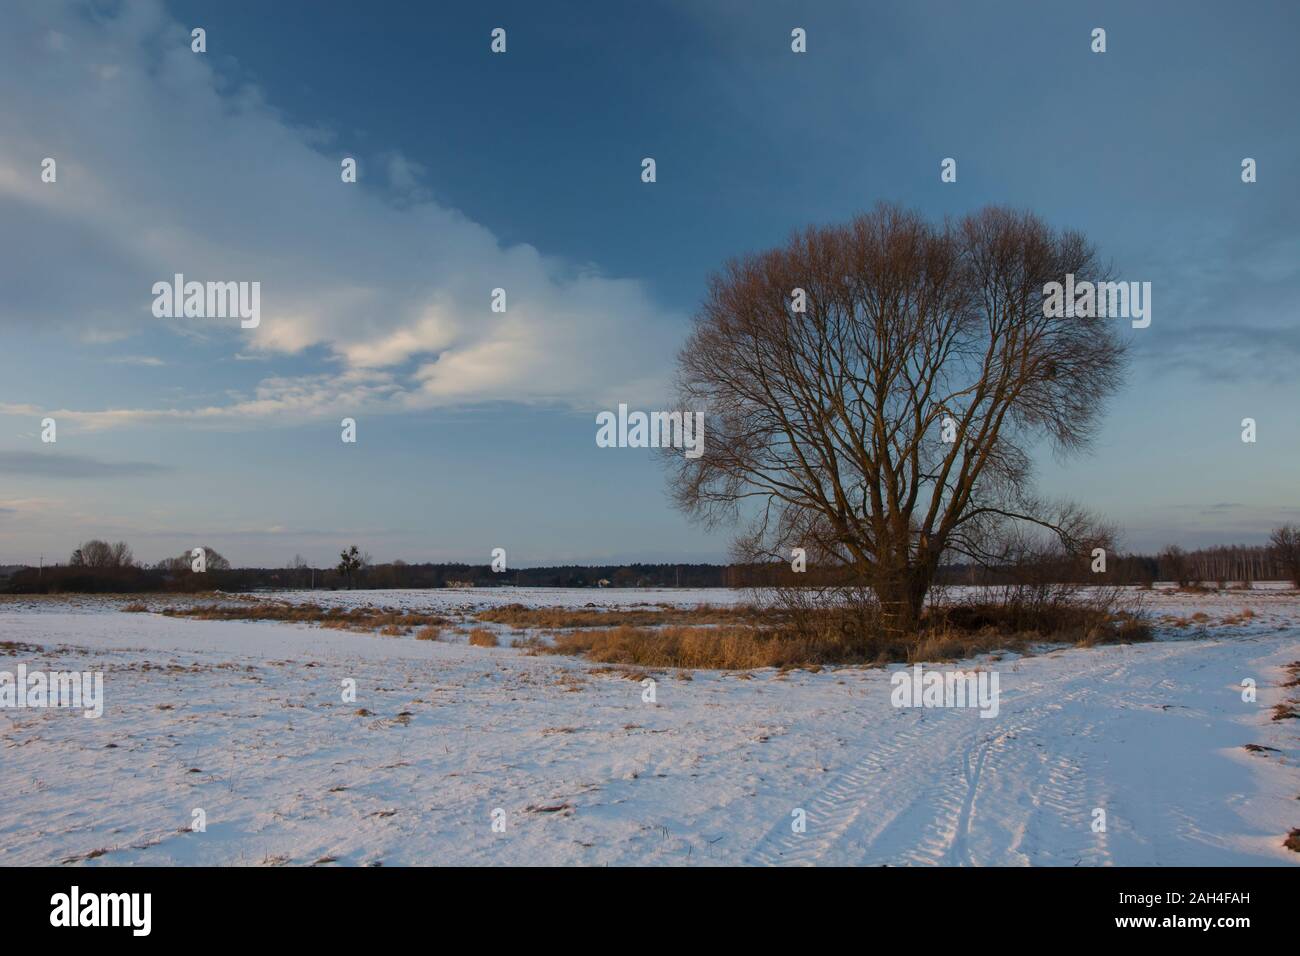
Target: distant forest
98,567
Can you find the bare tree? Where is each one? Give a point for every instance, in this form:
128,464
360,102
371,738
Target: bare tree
1176,566
96,554
351,561
212,561
885,416
1285,543
101,554
121,554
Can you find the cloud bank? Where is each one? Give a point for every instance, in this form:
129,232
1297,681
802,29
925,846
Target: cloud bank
168,162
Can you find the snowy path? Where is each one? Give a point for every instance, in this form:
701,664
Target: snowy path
244,720
1150,734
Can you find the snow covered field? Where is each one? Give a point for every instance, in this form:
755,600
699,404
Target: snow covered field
245,721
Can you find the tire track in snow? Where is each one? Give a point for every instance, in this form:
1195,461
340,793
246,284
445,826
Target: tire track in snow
941,830
876,786
946,789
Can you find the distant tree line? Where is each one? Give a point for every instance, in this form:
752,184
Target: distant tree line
1279,560
102,567
99,567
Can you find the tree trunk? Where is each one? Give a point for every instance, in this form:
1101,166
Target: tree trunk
902,597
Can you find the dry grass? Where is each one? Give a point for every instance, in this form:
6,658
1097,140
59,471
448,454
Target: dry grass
723,648
827,638
1244,616
741,648
1292,841
531,643
1285,711
1062,622
556,618
737,638
572,683
119,597
351,619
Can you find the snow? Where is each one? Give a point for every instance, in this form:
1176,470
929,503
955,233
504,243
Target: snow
457,599
245,721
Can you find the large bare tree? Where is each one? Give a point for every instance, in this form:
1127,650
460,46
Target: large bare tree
873,393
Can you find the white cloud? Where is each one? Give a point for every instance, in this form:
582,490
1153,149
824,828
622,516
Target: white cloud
285,401
166,167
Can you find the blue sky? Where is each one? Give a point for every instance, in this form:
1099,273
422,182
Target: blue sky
522,171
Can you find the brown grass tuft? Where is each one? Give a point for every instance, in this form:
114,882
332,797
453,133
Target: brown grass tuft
482,637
